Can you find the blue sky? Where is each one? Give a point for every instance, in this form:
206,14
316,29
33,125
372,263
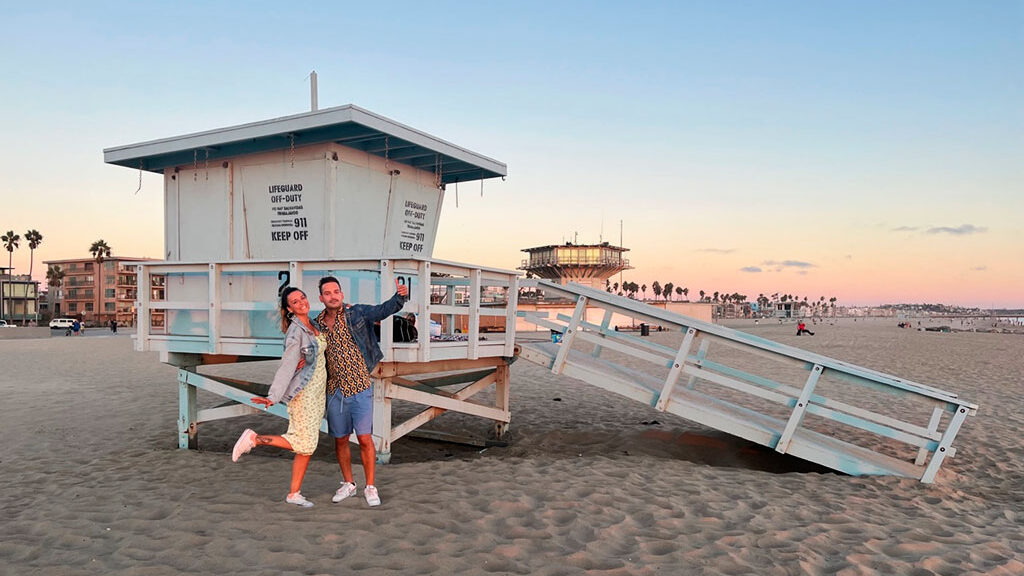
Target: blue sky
725,136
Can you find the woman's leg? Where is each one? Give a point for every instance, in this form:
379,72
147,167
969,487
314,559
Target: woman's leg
299,466
276,441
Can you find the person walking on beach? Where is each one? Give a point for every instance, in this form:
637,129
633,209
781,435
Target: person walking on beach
352,354
801,328
300,381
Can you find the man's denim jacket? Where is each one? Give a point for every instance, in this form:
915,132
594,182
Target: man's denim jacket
361,318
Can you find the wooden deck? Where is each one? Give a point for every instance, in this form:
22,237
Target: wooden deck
225,313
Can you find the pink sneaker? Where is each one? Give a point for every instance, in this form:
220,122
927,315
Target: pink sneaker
244,444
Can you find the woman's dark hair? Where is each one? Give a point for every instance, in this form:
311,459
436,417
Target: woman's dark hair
285,314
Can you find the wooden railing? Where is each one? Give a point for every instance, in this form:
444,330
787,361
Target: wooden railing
230,308
843,416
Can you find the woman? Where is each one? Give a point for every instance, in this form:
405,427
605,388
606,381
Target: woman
300,381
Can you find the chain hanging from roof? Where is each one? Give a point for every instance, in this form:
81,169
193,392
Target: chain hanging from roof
195,164
140,177
291,148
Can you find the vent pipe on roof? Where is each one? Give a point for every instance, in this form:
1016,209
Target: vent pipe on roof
312,91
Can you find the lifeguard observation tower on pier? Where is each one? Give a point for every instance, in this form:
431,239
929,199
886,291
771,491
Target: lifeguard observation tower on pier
254,208
585,264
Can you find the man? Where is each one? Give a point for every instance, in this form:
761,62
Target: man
352,353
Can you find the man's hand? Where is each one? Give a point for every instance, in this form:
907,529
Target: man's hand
402,289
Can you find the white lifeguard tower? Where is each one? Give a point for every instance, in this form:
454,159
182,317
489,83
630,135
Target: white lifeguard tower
251,209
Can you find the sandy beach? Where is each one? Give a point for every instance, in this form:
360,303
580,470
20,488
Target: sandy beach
592,483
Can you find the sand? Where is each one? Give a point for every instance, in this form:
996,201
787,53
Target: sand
92,481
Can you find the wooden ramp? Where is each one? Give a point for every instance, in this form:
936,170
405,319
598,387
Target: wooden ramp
848,418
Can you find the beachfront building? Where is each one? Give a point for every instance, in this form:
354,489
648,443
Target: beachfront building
586,264
96,292
18,298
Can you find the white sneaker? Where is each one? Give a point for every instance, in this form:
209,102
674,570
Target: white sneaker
299,500
370,493
347,489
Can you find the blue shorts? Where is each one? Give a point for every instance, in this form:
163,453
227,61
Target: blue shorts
346,414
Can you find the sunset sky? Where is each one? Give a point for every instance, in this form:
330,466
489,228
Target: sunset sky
871,151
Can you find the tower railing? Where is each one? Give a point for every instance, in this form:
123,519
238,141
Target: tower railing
231,307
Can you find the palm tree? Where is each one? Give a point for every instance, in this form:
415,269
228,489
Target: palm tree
54,276
679,291
34,239
54,279
667,290
656,287
643,288
686,293
99,251
701,295
10,241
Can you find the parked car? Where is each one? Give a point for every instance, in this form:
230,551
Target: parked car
61,323
4,324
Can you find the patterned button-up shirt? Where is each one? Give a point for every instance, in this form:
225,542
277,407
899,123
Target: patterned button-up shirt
346,369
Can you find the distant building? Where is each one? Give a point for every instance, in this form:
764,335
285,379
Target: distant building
586,264
96,292
18,297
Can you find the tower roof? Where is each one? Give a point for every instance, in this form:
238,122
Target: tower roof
348,125
604,245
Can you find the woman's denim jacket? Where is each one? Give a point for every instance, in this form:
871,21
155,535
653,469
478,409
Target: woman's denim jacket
361,318
299,343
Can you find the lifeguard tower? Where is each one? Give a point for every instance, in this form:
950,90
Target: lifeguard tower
585,264
251,209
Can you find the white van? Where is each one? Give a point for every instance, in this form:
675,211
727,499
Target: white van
61,323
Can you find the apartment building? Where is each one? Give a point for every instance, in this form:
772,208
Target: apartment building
18,298
97,292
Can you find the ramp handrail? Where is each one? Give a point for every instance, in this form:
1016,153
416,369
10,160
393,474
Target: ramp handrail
788,434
